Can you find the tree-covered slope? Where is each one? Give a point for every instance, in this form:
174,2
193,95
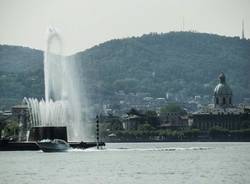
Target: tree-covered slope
182,63
21,74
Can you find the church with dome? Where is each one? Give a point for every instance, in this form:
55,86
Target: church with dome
222,93
223,113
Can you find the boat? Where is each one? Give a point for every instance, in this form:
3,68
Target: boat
55,145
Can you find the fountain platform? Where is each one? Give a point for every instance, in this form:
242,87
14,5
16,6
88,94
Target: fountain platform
40,133
6,145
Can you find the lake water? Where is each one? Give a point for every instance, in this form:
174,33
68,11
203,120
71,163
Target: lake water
131,163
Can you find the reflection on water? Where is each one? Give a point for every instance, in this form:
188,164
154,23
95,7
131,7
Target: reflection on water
132,163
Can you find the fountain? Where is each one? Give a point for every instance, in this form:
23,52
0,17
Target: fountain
60,114
62,105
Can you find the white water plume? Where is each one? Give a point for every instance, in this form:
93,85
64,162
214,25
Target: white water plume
62,105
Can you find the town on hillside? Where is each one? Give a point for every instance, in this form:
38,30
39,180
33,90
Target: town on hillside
140,117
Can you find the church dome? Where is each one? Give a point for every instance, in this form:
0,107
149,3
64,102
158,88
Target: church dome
222,88
223,93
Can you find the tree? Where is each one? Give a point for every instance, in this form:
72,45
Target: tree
11,129
145,127
172,108
151,117
192,133
218,132
134,111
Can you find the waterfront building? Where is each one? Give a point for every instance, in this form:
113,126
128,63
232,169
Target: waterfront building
131,122
223,113
174,120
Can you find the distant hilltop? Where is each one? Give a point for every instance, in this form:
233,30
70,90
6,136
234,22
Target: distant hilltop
182,63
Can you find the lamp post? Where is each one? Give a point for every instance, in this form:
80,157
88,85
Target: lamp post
97,132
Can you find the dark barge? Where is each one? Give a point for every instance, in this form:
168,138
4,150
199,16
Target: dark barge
40,133
6,145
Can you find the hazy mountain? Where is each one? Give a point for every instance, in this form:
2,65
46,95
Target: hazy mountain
21,74
183,63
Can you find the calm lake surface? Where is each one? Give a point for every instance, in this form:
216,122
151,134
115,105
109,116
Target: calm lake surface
131,163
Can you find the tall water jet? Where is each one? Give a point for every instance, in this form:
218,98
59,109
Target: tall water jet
62,105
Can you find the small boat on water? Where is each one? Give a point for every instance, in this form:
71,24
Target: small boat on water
55,145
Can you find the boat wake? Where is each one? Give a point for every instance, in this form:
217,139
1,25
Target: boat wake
122,149
161,149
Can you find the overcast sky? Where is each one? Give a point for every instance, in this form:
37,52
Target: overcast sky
85,23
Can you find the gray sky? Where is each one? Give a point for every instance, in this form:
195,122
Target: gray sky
85,23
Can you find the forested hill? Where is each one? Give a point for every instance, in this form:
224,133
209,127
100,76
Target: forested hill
183,63
21,74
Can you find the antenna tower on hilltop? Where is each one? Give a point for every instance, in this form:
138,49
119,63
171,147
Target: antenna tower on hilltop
242,31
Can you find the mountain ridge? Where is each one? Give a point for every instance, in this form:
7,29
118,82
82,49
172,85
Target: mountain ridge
183,63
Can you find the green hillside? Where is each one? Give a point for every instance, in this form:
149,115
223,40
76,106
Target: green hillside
183,63
21,74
